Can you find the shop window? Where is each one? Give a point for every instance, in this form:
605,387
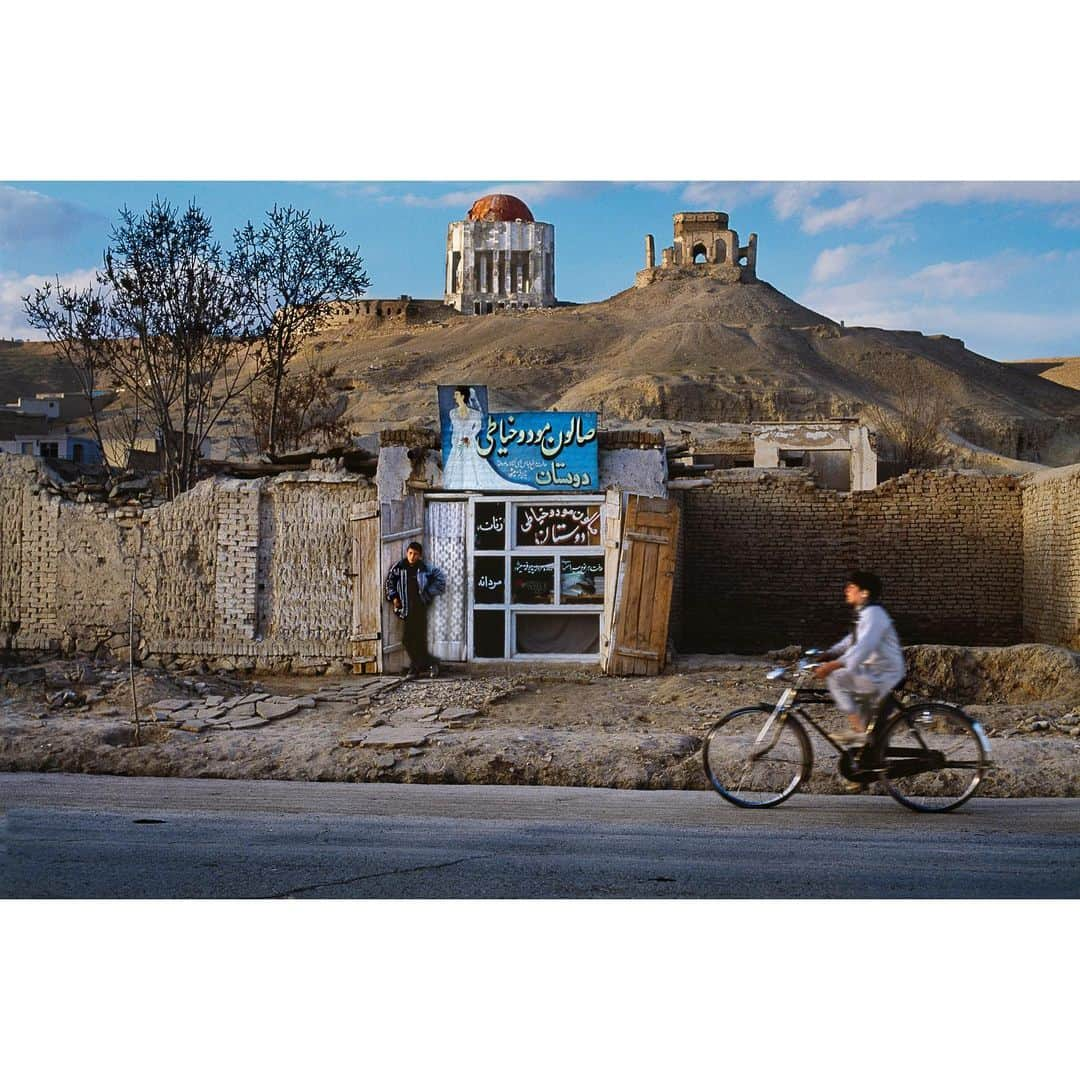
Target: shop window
528,597
532,581
490,526
567,634
489,634
581,579
489,579
557,526
50,450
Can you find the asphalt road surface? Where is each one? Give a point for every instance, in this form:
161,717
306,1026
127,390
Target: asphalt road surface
104,836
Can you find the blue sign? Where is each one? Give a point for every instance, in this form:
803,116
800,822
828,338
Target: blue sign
508,451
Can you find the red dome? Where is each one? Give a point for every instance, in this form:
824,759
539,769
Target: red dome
499,208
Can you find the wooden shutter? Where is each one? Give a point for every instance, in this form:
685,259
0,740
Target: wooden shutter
639,627
367,589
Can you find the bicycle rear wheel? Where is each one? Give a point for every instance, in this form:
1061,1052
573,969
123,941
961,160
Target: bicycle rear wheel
752,773
933,757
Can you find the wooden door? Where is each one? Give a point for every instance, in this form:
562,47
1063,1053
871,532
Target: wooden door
445,522
367,589
400,520
638,644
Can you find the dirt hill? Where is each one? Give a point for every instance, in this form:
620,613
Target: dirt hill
1064,370
677,350
697,350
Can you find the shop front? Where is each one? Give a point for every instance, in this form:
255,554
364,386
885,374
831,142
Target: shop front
529,532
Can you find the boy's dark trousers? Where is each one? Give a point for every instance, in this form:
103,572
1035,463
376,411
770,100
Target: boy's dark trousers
416,638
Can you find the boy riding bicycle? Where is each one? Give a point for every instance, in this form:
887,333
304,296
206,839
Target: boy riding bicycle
869,661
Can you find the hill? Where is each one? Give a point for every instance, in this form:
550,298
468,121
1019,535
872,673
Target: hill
696,350
1064,370
686,350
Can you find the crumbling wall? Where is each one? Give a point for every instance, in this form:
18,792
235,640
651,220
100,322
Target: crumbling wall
248,574
1051,510
767,554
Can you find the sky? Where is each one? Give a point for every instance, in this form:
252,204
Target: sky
996,264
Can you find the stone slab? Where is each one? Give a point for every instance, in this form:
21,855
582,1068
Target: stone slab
251,699
305,702
210,713
249,722
212,700
457,712
276,710
171,704
414,713
399,735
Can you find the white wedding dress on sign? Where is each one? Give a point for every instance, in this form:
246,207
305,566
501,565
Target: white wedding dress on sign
465,469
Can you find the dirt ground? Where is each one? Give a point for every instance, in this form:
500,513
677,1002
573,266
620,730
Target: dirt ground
507,725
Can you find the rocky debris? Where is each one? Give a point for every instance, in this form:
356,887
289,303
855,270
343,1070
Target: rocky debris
1012,675
67,699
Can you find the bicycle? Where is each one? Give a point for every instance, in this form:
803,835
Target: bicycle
929,756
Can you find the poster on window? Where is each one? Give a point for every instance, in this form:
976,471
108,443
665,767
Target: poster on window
514,451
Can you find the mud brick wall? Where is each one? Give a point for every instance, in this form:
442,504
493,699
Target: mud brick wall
767,554
250,574
1051,507
93,595
305,588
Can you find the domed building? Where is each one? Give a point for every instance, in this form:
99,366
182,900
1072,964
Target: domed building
499,258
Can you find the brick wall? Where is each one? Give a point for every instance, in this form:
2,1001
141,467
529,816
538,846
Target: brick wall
767,554
245,573
1051,508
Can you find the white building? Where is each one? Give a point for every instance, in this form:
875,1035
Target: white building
499,258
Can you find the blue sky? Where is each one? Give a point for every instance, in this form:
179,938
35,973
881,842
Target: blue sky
997,264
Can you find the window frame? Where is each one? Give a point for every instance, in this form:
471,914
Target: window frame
511,550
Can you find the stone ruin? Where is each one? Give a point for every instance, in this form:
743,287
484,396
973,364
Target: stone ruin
705,237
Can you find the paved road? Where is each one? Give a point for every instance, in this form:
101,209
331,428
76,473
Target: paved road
102,836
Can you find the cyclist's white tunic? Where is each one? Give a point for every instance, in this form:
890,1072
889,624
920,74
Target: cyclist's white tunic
872,657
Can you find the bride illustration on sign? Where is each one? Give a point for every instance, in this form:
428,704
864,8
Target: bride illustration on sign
464,469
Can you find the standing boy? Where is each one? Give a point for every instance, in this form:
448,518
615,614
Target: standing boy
410,586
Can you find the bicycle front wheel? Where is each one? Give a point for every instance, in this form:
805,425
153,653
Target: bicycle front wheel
933,757
752,765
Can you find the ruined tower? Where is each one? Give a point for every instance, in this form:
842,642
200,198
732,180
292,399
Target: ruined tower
703,245
499,257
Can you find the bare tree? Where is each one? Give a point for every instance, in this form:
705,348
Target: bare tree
182,328
79,324
914,429
309,410
297,275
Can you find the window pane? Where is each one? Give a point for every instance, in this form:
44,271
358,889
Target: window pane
488,633
489,586
558,526
582,579
532,581
557,633
490,527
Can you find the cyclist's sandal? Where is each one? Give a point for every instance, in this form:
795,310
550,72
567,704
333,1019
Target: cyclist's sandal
850,738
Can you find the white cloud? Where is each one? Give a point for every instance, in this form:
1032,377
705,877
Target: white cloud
835,262
883,202
29,217
14,287
932,298
463,198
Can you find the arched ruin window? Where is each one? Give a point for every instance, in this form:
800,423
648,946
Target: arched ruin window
699,249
